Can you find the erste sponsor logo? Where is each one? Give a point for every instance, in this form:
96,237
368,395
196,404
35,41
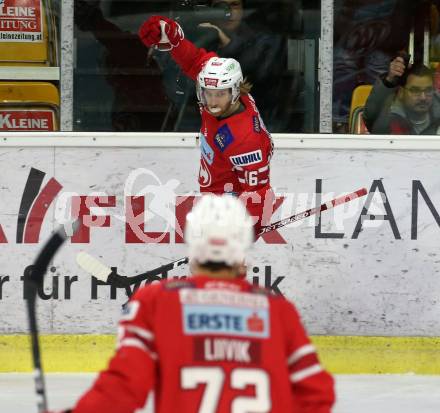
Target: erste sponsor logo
236,321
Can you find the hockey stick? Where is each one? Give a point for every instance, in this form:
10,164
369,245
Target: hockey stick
100,271
31,288
104,273
312,211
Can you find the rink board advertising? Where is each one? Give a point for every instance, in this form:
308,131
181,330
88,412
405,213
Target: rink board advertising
21,21
366,268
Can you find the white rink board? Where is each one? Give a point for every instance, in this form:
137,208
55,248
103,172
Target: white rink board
373,285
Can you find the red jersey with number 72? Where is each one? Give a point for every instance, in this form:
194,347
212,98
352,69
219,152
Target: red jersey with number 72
211,346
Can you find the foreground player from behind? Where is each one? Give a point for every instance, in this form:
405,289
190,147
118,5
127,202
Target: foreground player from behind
235,146
212,343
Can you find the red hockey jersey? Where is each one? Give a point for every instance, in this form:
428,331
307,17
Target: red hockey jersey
211,346
235,151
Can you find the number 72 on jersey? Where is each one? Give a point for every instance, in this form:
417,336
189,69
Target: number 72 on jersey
213,380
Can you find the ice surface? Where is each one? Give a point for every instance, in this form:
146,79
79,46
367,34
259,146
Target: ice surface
356,393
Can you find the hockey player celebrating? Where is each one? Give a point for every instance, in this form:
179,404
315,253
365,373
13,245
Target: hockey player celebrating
213,342
235,146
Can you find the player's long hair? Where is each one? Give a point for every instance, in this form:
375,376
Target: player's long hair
245,87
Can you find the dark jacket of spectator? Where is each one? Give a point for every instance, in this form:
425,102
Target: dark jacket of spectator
385,114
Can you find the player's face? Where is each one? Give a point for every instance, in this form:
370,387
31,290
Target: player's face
218,101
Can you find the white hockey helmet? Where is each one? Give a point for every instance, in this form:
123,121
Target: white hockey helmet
220,73
218,229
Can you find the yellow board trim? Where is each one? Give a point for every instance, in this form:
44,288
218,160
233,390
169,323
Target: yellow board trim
379,355
339,354
59,353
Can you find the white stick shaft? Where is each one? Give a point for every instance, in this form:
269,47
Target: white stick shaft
93,266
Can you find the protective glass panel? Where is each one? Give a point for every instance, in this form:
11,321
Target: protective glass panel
389,46
120,85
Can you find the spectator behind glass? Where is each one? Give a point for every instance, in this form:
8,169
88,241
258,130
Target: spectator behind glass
367,34
403,102
261,53
124,64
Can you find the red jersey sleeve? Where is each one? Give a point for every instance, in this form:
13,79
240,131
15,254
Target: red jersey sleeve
190,58
312,387
126,383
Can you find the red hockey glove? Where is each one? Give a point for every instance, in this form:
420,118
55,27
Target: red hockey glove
161,32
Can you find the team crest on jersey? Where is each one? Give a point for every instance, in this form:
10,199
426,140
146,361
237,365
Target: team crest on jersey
248,158
223,138
205,177
206,150
256,122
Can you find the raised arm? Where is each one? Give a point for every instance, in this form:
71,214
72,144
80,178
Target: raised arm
377,106
166,35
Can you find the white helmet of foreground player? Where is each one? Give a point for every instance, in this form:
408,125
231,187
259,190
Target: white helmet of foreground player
218,74
219,230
